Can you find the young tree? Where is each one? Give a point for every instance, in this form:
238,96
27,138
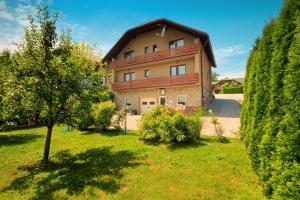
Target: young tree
50,68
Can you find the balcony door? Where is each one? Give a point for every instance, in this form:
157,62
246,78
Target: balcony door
147,103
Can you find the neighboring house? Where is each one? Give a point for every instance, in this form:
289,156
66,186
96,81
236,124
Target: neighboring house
216,87
161,62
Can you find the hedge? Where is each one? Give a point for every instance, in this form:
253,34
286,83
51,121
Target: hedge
270,118
229,89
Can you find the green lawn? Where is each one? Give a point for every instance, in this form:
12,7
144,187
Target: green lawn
91,165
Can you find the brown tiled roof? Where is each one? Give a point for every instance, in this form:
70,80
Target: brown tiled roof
129,34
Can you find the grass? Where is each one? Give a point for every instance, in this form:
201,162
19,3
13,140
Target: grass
112,165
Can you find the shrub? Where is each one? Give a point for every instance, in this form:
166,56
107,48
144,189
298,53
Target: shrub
102,113
81,109
120,118
218,128
167,125
230,89
82,114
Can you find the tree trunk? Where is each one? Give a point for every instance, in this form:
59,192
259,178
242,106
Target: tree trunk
47,143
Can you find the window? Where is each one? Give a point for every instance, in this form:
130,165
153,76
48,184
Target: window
177,70
147,50
162,101
155,49
146,73
173,71
144,103
152,103
180,43
128,54
129,76
172,44
181,69
176,43
181,100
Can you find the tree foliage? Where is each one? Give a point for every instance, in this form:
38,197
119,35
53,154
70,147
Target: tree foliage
50,71
270,120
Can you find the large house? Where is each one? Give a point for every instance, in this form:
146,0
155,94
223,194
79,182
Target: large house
161,62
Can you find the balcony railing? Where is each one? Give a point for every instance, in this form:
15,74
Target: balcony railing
187,79
155,56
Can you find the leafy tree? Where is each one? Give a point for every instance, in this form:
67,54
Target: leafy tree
50,68
5,63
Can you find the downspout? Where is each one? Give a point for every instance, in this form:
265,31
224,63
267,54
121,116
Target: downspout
201,71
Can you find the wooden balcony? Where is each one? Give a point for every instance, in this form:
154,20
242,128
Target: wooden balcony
187,79
156,56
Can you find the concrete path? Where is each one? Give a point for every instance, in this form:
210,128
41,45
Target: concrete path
133,122
227,110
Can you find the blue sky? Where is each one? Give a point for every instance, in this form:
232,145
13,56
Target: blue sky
233,25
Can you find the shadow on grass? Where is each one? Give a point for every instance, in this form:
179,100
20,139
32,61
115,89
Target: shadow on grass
13,139
187,145
109,133
96,168
215,139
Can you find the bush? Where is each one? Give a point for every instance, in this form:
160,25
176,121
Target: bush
230,89
167,125
81,109
82,114
102,113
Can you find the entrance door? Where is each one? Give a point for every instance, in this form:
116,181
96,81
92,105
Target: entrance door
147,103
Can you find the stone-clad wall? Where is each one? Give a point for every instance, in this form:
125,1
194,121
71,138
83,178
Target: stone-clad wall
192,95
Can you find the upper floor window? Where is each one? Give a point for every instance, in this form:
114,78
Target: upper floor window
155,49
177,70
176,43
147,50
128,54
146,73
129,76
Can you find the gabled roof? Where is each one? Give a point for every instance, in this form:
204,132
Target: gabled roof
129,34
227,81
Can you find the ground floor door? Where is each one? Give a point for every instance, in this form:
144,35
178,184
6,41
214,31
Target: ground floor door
147,103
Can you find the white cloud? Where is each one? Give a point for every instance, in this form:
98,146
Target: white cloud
231,60
2,5
13,19
6,15
12,22
230,51
22,12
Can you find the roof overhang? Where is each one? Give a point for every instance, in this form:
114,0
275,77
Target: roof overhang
131,33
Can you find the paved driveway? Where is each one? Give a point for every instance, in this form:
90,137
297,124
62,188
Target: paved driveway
227,110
